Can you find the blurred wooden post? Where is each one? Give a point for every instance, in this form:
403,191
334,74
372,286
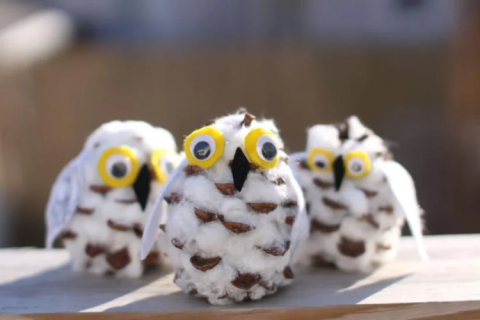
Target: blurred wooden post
29,36
17,150
463,120
465,76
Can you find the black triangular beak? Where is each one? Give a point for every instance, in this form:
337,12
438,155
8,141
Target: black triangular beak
141,186
240,169
338,171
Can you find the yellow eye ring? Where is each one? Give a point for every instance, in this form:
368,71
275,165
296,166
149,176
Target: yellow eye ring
320,156
361,160
128,158
156,162
203,147
255,143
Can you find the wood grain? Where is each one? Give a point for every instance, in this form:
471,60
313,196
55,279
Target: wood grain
39,282
438,311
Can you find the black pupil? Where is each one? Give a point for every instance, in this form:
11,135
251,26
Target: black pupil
320,164
201,151
357,167
269,151
119,170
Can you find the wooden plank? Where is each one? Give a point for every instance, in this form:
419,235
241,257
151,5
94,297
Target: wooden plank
465,66
440,311
36,281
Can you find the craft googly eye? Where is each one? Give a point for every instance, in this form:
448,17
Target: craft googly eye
163,163
320,160
261,148
357,164
118,166
204,147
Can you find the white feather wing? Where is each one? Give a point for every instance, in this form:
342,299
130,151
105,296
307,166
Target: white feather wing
403,188
156,214
301,226
64,199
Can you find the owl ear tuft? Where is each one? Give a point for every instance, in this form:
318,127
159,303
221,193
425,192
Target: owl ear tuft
389,144
242,110
247,120
209,122
363,137
343,130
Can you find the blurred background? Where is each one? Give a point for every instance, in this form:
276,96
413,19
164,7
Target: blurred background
409,68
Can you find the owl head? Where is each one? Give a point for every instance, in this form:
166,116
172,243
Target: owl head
325,142
233,145
123,155
323,146
343,151
357,158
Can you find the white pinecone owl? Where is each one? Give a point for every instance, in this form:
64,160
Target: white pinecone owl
236,216
357,197
99,202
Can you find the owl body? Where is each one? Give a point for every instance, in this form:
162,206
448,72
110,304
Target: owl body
385,217
349,183
98,205
233,227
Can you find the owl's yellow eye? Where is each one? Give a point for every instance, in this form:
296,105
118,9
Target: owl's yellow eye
203,147
119,166
320,160
163,163
357,164
261,148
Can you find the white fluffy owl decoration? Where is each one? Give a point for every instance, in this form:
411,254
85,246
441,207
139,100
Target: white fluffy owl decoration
236,215
98,204
357,198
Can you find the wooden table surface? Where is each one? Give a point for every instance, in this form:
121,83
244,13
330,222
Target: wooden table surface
37,282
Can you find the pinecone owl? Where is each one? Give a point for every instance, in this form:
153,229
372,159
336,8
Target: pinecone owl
236,214
97,207
357,198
